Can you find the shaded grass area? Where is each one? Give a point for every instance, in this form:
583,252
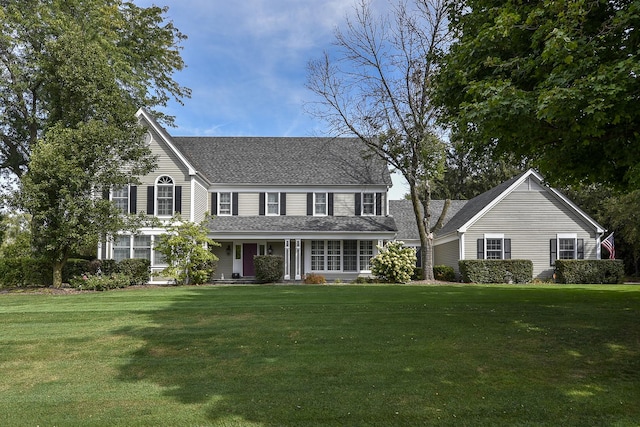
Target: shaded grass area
323,355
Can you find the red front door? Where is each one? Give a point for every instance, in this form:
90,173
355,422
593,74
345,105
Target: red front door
249,250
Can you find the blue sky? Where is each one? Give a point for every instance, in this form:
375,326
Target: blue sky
246,65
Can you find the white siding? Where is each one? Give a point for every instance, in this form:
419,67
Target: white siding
344,204
447,254
249,204
530,219
201,202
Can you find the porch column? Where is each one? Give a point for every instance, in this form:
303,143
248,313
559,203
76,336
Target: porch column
287,259
298,260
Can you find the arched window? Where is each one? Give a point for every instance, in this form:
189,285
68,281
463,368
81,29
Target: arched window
164,196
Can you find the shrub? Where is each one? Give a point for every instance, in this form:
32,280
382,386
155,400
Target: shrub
75,267
394,263
24,271
444,273
100,283
496,271
138,270
589,271
107,267
314,279
269,268
363,279
417,273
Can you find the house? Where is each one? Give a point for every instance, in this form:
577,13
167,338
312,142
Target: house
521,218
320,203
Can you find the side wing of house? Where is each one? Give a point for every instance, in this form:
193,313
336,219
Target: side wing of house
529,221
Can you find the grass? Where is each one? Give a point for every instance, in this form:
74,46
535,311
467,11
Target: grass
323,355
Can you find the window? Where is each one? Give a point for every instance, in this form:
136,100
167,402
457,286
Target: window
494,248
320,203
273,203
121,247
165,196
368,204
566,248
317,255
142,247
224,204
333,255
120,198
350,255
366,253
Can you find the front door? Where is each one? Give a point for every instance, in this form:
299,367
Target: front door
249,250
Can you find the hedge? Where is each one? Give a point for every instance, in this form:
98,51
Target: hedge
590,271
24,271
269,268
496,271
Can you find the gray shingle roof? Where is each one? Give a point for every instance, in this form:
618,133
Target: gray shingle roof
302,224
402,212
284,161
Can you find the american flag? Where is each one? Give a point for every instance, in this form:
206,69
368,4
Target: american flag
610,246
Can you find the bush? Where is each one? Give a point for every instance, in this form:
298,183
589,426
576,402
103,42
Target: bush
24,271
107,267
100,283
394,263
590,271
363,279
496,271
314,279
138,270
269,268
444,273
75,267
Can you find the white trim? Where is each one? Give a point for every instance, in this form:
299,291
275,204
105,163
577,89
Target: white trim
266,203
326,203
219,200
566,236
461,246
173,196
362,204
493,236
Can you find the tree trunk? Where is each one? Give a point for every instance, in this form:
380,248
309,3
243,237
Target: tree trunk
57,274
423,222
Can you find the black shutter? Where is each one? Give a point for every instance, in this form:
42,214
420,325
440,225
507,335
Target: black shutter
150,199
261,204
507,248
330,204
214,203
283,203
309,203
553,245
480,249
178,199
580,251
133,199
378,204
358,207
234,204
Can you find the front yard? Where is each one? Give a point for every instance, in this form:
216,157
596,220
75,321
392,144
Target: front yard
360,355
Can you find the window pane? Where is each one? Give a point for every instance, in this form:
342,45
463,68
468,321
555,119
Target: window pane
120,198
142,247
368,204
350,255
566,248
272,204
333,255
121,247
366,253
317,255
494,248
225,204
165,200
320,203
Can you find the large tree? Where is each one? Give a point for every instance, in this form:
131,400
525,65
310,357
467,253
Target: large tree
377,88
73,82
140,48
556,82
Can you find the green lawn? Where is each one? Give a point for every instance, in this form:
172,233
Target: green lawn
323,355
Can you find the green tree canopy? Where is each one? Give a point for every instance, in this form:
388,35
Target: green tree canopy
555,82
47,49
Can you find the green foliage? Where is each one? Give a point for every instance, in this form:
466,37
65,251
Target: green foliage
24,271
444,273
590,271
16,239
75,268
394,263
184,247
314,279
269,268
552,82
137,270
90,282
66,60
496,271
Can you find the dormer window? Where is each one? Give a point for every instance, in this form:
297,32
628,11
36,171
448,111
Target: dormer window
164,198
368,204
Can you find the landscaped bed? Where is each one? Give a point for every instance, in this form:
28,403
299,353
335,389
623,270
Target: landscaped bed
539,355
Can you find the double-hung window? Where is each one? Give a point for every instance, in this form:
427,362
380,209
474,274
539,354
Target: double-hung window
494,246
566,246
317,255
366,253
120,198
320,204
121,247
368,204
341,255
273,203
224,203
165,196
142,247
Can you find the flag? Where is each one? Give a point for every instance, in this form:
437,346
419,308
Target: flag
610,246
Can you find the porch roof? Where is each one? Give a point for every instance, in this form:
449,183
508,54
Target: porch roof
302,224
